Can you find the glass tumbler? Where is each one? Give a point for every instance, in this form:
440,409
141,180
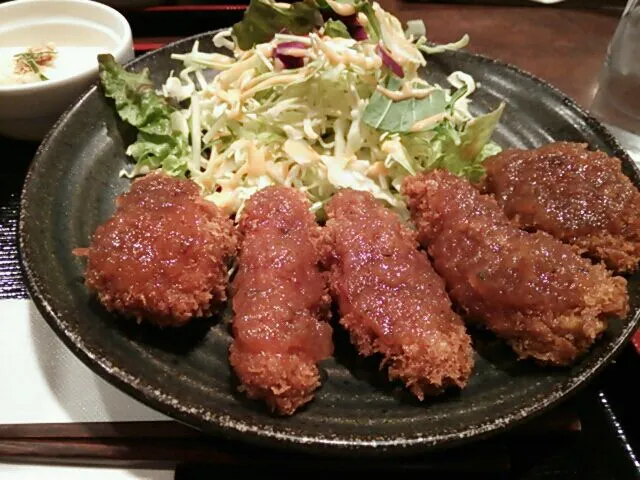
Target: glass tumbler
617,99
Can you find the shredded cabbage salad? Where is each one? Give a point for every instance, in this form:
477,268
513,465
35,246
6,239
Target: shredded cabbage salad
317,95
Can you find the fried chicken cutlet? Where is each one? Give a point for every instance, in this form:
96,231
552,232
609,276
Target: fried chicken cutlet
163,255
390,299
581,197
530,289
280,301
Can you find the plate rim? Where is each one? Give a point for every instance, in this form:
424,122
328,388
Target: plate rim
235,429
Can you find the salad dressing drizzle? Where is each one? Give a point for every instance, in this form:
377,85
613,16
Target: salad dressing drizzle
340,118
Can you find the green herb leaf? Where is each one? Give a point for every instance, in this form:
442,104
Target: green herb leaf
335,28
35,68
385,114
136,101
264,18
31,58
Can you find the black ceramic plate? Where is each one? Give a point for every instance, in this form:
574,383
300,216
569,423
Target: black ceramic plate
70,190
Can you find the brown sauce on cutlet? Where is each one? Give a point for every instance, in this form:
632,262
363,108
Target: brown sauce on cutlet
529,288
162,255
390,299
280,302
577,195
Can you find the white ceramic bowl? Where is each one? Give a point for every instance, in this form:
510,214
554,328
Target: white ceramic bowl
80,29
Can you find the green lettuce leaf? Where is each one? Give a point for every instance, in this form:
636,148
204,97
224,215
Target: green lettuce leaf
364,6
335,28
136,101
373,26
383,113
160,151
157,144
490,149
478,132
264,18
459,149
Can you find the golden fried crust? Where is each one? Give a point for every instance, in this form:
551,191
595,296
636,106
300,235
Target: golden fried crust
283,382
280,301
390,299
581,197
529,288
163,255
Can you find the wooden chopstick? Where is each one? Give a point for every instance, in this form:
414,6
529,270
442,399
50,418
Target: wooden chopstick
165,444
562,419
487,457
159,452
159,429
